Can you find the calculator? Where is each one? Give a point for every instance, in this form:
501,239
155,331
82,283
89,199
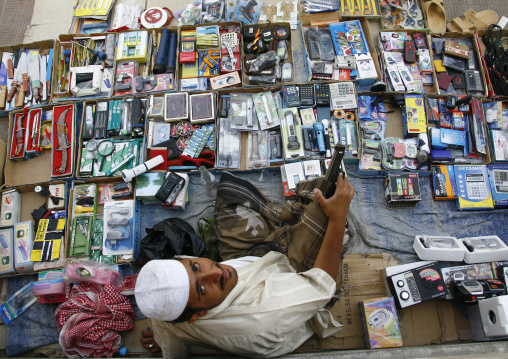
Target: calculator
342,96
291,97
322,94
307,95
501,180
476,187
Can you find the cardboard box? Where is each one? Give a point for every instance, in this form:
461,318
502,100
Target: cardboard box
476,54
62,94
31,200
323,21
289,42
189,70
428,88
34,170
244,135
44,47
362,279
394,127
84,164
481,46
99,211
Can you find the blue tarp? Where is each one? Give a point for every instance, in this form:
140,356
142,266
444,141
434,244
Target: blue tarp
372,228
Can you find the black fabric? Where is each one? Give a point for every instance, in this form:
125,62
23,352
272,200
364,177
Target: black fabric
168,238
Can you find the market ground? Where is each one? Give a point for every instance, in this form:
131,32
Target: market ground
25,21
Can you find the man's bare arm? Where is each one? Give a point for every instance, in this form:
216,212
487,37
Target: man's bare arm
336,209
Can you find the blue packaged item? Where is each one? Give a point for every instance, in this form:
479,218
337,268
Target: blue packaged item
364,109
453,138
435,139
498,177
248,11
348,38
473,187
381,111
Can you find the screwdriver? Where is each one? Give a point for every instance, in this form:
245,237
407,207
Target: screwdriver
96,54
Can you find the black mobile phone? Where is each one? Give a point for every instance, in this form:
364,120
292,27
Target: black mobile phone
172,185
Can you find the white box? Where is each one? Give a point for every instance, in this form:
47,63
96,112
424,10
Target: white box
57,190
454,252
486,249
494,314
11,208
23,242
294,174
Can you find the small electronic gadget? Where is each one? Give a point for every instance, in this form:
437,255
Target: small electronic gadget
342,96
473,80
476,186
101,119
502,273
172,185
501,180
89,123
409,51
326,43
345,62
291,97
322,92
414,283
312,38
307,95
293,143
471,291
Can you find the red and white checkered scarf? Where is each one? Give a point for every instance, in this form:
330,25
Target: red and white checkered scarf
90,320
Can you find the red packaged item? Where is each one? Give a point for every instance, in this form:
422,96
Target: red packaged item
17,150
62,139
126,72
33,131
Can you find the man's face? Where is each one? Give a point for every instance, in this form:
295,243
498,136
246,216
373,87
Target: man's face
210,282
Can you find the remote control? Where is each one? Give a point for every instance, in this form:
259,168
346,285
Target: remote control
313,43
291,97
322,94
307,95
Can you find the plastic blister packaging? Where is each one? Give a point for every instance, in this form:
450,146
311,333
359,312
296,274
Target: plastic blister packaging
262,79
84,199
373,130
257,149
261,62
266,110
87,271
229,150
242,112
118,228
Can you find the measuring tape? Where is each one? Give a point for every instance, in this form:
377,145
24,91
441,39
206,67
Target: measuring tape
155,17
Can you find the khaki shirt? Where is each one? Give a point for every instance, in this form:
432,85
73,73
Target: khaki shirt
271,311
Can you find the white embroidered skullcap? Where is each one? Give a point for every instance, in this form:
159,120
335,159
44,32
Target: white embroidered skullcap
162,289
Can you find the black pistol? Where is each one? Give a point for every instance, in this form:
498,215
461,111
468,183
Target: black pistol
328,185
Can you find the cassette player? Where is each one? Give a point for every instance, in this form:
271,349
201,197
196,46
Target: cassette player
471,291
414,283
